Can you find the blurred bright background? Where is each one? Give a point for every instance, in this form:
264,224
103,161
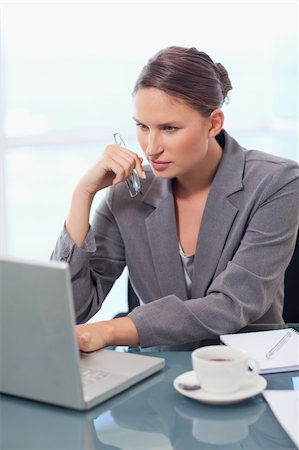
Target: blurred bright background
67,70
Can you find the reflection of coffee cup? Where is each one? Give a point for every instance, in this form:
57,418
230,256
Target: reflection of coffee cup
221,426
230,427
222,369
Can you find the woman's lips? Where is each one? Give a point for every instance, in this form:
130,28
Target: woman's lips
160,165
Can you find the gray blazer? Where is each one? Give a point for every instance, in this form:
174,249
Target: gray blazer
245,243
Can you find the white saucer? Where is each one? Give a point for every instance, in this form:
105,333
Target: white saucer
256,386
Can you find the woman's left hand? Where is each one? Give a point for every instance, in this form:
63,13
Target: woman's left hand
96,335
92,336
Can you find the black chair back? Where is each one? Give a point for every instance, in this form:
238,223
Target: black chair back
291,287
133,300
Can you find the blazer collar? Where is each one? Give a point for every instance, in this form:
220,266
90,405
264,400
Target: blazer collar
229,176
158,190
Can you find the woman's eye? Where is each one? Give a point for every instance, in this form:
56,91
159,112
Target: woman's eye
169,128
140,125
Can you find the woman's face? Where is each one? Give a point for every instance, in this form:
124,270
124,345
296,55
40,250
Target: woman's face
173,136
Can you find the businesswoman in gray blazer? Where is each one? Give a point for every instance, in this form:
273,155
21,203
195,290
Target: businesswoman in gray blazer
207,241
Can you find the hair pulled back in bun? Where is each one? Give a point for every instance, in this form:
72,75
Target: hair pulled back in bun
190,75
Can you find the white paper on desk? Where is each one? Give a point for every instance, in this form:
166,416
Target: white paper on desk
285,407
258,343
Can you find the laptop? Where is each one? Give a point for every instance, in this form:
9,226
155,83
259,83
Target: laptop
39,356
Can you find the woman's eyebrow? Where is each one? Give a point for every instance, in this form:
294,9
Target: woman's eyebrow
173,122
136,120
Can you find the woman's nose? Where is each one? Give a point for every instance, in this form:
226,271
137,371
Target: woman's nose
153,147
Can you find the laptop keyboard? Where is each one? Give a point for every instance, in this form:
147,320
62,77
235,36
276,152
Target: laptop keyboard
91,375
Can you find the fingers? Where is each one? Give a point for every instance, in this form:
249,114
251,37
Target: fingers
114,166
84,342
84,338
90,336
122,162
139,168
123,167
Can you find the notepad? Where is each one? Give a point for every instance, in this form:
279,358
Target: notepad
259,343
288,417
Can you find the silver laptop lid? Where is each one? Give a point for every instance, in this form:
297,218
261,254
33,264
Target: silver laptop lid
32,363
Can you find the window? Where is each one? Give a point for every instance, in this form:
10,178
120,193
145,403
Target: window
67,71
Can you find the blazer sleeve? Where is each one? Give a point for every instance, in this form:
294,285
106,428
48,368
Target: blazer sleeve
244,292
96,265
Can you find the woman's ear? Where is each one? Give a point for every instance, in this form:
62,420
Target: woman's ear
216,122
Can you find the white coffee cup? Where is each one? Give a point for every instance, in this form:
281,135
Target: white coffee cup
222,369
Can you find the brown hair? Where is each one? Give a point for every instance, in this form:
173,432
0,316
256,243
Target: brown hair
188,74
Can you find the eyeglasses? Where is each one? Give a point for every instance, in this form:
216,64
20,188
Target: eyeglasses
133,182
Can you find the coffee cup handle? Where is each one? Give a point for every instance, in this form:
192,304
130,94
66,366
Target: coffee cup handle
254,367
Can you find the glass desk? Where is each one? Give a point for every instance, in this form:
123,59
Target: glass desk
148,416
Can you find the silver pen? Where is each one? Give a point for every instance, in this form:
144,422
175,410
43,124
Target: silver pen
272,352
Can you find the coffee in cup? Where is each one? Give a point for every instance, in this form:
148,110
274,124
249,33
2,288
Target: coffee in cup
222,369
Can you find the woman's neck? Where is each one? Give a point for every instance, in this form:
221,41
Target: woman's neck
201,178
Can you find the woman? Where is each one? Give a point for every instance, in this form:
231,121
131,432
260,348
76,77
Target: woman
208,240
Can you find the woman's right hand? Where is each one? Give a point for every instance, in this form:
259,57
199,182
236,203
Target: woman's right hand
114,166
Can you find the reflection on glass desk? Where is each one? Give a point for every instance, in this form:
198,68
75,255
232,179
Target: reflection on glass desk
150,415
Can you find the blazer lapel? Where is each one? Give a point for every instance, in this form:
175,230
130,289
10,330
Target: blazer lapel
218,217
163,241
217,221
